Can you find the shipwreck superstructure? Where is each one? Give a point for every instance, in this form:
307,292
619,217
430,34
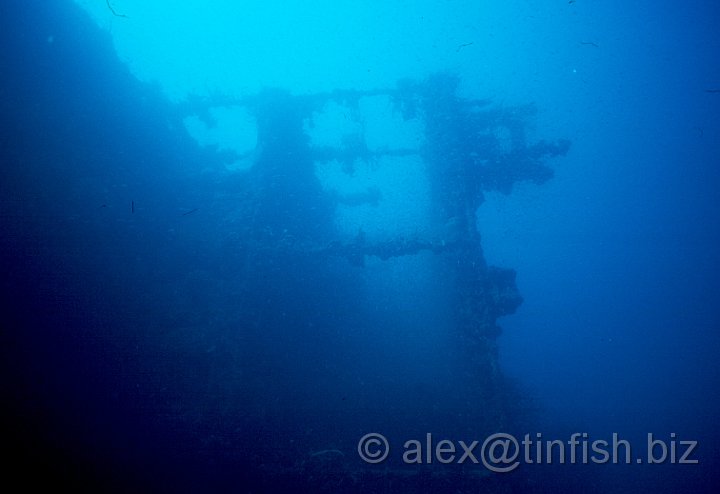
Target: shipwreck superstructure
289,243
185,318
468,147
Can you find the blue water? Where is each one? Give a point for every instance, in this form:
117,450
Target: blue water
192,302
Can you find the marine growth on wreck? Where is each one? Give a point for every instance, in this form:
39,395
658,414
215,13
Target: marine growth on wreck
295,234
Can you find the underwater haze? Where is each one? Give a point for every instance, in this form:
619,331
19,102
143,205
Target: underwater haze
336,246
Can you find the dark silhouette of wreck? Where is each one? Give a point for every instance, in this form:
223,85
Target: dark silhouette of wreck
177,332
